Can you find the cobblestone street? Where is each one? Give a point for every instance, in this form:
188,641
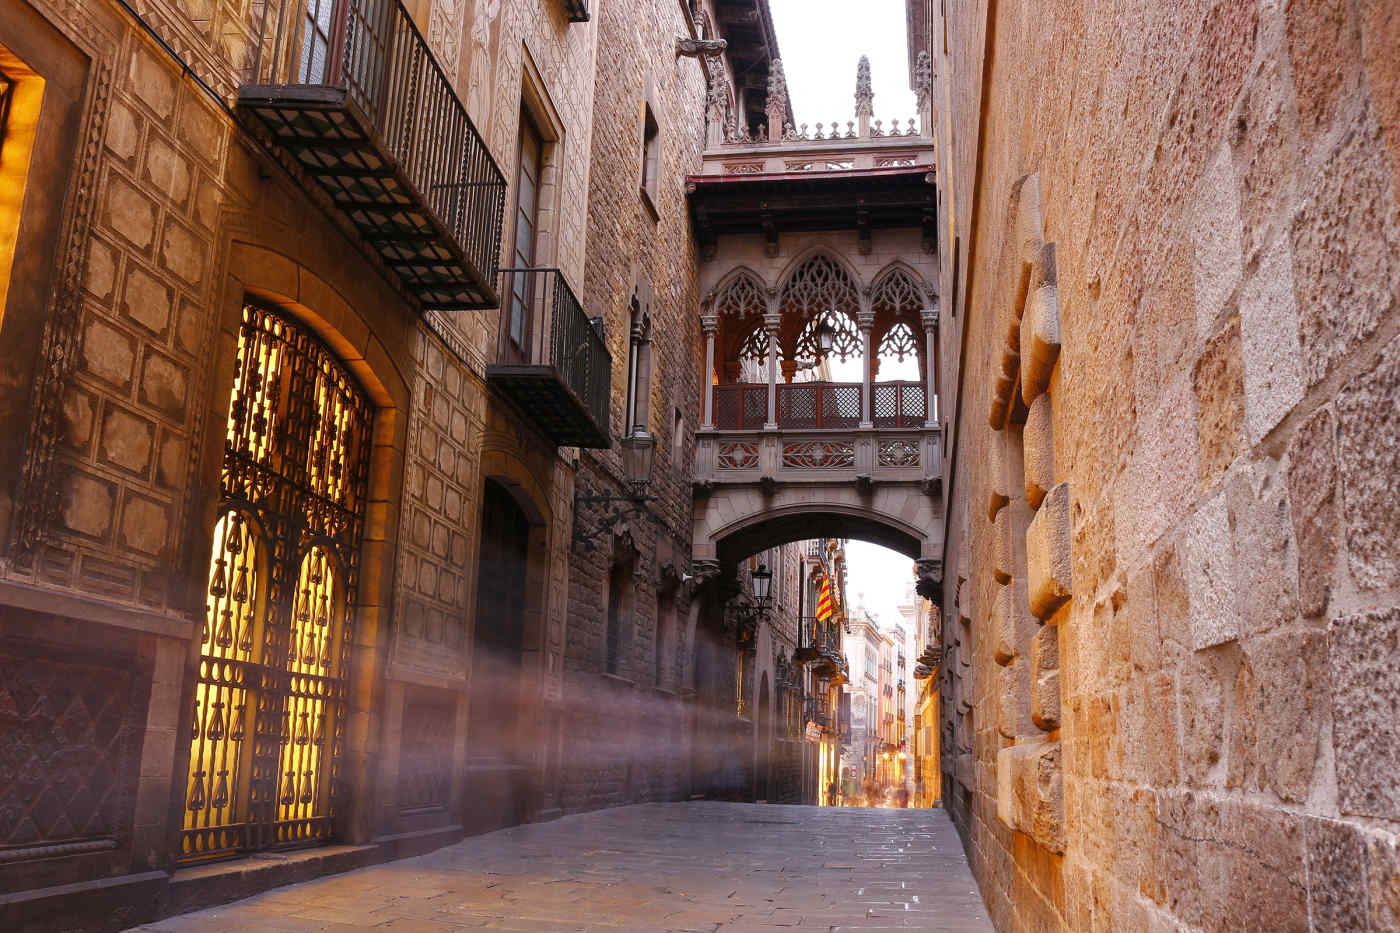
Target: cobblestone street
697,866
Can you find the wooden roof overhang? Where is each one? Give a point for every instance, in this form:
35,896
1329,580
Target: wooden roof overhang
792,202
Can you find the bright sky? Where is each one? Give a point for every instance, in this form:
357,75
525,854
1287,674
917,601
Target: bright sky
821,42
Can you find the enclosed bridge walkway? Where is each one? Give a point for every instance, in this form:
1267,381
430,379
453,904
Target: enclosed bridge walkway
698,866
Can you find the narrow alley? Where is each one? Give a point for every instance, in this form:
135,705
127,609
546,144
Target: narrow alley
698,866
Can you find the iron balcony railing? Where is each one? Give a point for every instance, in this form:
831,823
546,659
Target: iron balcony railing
353,88
544,327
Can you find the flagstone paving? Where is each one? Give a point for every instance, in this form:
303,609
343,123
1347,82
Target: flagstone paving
697,866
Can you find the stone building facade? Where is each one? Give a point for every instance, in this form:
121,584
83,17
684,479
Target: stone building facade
290,557
1171,388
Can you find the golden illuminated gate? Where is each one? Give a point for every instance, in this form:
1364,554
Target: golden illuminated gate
269,712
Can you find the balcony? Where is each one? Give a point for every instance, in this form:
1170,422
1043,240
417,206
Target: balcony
819,645
362,107
551,361
818,434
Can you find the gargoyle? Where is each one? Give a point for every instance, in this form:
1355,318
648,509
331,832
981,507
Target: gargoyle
699,48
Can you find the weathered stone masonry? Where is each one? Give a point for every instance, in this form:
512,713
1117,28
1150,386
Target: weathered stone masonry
1217,442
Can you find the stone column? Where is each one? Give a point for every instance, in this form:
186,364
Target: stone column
929,318
772,323
709,323
866,321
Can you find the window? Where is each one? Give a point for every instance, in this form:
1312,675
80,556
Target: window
651,157
517,322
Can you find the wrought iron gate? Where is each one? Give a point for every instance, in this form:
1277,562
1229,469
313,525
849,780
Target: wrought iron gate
269,712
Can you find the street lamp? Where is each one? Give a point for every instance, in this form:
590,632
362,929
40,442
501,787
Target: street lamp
762,581
826,336
638,458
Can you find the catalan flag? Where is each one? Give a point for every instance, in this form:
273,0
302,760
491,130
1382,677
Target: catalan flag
826,605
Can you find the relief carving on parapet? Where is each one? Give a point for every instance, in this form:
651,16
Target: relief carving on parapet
445,34
484,37
898,453
819,455
743,168
738,456
40,484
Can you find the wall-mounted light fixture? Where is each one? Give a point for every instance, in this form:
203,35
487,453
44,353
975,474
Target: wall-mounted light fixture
638,459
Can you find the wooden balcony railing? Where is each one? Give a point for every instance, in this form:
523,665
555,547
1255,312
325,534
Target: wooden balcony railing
551,360
805,405
351,91
819,406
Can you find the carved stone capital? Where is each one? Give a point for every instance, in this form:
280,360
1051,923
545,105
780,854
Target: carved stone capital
929,577
704,571
929,318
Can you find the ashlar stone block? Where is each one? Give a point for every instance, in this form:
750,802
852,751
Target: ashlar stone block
1038,444
1014,701
1005,563
1045,677
1030,792
1273,366
1040,341
1210,576
1048,554
1368,466
1013,624
1364,653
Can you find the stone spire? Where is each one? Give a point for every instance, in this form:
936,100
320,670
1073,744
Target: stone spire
923,91
865,96
777,104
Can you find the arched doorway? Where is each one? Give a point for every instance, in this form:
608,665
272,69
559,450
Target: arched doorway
269,723
500,627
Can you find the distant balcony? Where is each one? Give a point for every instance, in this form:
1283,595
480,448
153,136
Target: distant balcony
551,361
819,646
351,93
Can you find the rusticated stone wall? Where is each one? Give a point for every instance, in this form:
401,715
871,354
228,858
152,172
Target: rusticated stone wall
623,739
1187,450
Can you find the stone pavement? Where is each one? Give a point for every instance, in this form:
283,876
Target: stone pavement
697,866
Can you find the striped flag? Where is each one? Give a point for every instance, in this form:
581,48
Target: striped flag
826,606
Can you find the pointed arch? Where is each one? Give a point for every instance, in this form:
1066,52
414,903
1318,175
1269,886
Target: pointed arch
741,293
819,247
899,285
897,296
818,282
